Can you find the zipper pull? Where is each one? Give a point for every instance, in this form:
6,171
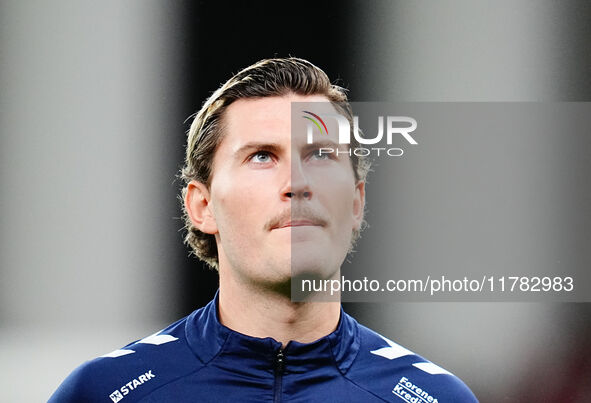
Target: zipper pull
279,361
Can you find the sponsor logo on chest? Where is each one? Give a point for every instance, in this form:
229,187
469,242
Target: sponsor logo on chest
412,393
124,390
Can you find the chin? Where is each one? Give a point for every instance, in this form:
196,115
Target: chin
312,265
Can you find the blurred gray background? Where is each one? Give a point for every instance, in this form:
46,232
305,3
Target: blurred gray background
93,100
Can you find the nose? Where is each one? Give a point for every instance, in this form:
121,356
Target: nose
298,185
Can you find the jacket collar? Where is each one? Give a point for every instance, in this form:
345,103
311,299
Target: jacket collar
208,339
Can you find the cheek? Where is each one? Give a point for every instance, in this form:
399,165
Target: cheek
239,200
337,181
337,195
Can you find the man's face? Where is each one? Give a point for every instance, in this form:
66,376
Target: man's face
277,204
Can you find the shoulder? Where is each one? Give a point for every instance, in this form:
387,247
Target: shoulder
390,370
131,371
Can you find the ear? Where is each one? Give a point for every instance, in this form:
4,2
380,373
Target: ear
199,209
358,205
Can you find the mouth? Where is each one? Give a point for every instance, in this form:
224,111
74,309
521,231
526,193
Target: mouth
299,223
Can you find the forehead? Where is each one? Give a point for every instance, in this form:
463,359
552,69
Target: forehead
258,119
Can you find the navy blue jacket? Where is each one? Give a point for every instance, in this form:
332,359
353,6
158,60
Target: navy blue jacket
197,359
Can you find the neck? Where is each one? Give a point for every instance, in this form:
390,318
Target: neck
263,313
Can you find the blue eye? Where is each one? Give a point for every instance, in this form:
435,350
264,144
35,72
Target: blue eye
261,157
320,156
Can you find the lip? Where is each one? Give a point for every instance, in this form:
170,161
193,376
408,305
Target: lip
298,223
